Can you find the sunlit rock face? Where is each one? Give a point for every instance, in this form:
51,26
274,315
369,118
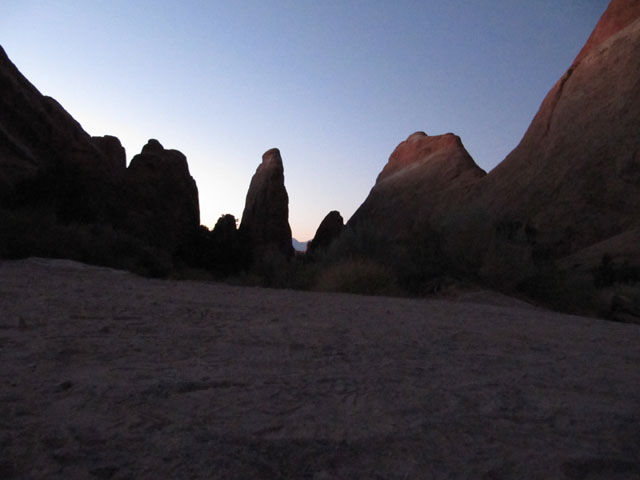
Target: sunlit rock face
265,219
330,228
162,196
574,179
424,177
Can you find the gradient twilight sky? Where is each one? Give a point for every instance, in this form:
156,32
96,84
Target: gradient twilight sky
334,84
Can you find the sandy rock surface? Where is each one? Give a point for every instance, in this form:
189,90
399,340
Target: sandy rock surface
109,375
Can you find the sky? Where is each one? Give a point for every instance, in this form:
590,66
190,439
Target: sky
336,85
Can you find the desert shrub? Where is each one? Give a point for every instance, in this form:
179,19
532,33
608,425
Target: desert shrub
36,232
271,268
607,273
561,290
421,266
357,276
416,262
224,251
360,241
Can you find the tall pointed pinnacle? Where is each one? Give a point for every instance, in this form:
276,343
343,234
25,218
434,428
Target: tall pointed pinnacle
266,212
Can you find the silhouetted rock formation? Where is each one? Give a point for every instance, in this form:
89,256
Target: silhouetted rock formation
64,193
223,251
46,158
163,197
265,219
330,228
113,151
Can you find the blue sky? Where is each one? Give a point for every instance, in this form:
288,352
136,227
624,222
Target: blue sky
335,85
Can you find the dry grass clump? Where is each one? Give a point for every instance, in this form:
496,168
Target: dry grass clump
357,276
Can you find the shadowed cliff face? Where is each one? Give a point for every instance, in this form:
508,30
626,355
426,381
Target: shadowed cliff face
265,219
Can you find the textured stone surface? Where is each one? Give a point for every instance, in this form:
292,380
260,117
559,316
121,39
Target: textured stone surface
574,179
330,228
131,378
265,218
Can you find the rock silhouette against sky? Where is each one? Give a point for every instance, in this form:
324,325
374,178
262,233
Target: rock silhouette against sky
266,213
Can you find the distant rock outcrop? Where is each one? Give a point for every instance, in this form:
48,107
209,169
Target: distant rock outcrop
265,219
299,246
330,228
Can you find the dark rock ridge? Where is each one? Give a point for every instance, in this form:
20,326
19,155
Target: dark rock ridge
265,219
330,228
65,193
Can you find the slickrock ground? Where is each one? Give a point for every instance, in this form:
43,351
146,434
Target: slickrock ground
107,375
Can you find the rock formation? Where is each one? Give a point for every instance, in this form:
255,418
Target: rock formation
163,197
46,158
112,150
51,169
330,228
574,179
265,219
565,200
425,176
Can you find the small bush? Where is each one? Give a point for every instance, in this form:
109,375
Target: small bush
357,276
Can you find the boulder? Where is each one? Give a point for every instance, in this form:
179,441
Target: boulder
265,219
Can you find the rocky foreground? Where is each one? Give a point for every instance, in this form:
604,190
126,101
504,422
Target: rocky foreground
109,375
